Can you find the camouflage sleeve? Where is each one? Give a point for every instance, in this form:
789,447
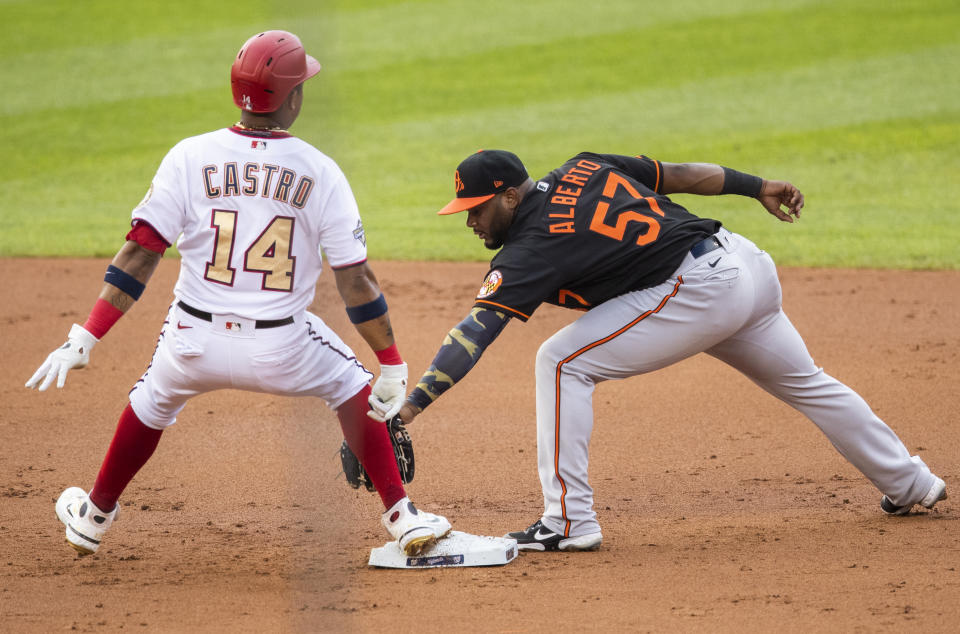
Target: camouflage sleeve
459,352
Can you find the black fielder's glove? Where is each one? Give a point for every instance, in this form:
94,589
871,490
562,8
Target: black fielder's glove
356,475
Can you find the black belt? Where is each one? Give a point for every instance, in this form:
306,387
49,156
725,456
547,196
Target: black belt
705,246
261,323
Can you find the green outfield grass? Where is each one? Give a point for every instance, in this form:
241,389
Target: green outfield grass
857,102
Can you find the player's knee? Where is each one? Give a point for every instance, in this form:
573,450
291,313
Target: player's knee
548,356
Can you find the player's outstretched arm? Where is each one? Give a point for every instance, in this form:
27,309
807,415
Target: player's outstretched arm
704,179
459,352
707,179
124,281
367,309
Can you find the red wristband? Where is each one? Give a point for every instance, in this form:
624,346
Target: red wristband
103,316
389,356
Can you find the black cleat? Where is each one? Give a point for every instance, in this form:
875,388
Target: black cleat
936,493
539,537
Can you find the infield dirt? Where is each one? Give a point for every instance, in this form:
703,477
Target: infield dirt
722,509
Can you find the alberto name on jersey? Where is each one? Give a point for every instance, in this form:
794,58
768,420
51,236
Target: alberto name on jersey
593,229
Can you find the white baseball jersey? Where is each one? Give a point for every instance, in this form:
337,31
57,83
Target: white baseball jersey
253,213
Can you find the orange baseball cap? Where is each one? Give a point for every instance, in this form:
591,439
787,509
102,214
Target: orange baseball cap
483,175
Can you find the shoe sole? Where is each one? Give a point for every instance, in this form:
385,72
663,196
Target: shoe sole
83,552
417,545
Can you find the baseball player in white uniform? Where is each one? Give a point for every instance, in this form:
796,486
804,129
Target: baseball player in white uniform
253,211
657,284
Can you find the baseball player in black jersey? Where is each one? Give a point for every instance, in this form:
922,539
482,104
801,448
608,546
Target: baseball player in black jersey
657,284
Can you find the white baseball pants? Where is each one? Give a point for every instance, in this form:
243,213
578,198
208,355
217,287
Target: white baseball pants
193,356
725,303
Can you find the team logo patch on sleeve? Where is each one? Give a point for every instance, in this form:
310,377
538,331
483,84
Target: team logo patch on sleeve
359,234
490,284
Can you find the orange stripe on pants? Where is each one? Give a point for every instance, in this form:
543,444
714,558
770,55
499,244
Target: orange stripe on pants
556,411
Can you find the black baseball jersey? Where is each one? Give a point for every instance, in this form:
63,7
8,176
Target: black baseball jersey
593,229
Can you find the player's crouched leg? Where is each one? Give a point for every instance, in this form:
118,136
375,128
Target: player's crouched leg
415,530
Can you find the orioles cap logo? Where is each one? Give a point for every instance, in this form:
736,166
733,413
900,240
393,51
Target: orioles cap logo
457,182
497,183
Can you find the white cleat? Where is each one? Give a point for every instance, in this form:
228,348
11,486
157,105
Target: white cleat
86,524
414,530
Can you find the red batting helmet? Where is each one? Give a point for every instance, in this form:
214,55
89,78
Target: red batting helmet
268,66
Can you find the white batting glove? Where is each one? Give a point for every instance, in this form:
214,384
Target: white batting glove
71,355
389,392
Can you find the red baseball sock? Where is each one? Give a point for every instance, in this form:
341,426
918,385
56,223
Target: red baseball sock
132,445
370,442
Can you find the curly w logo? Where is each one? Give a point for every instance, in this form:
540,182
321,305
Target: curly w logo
457,182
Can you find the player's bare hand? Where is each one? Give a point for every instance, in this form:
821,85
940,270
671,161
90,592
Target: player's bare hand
408,412
74,354
388,392
777,195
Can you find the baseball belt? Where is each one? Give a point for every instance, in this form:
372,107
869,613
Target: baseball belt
204,315
705,246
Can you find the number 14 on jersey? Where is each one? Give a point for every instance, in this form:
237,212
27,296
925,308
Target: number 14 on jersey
268,255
